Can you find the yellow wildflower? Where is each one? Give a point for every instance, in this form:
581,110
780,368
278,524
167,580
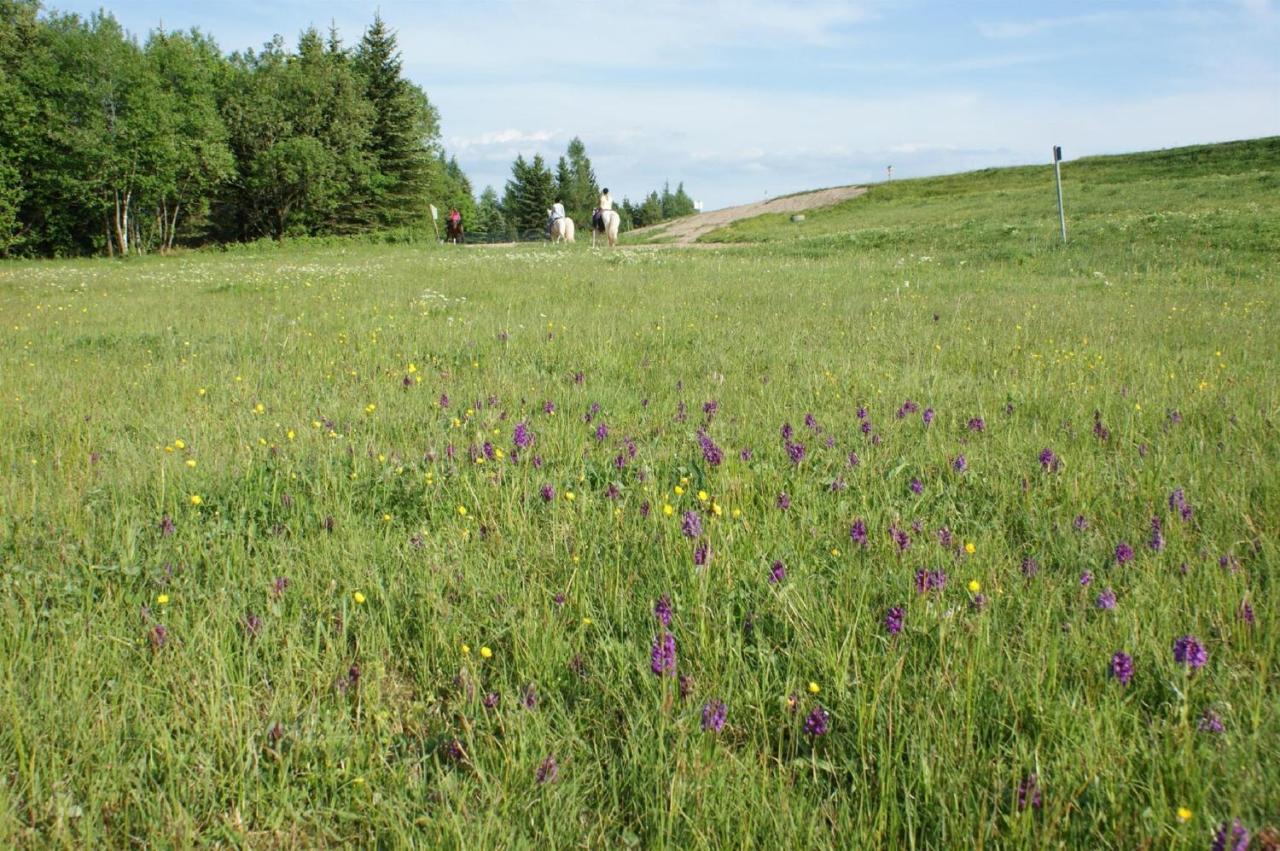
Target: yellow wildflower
358,597
486,653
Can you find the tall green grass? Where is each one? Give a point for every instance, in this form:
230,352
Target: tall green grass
342,483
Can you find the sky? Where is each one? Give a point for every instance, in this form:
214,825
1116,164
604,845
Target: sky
750,99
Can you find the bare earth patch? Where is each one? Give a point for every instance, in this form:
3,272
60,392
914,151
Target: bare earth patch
686,231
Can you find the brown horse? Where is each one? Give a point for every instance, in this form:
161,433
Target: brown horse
453,231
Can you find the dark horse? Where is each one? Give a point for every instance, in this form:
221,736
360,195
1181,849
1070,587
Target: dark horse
453,231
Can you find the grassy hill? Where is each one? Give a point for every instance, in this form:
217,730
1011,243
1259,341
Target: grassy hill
1218,199
381,546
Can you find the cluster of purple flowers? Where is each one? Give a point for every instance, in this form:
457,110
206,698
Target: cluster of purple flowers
1188,651
930,580
711,453
522,436
662,658
1233,837
1106,600
1157,536
1178,502
1124,553
1122,667
714,713
691,524
893,620
777,573
1049,460
858,532
959,464
662,610
818,722
1029,793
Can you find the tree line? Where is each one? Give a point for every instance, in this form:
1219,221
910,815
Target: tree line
111,145
521,211
114,145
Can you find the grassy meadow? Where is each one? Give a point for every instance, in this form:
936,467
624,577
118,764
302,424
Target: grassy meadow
973,535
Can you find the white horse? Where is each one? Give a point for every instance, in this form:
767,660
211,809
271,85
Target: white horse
562,230
611,220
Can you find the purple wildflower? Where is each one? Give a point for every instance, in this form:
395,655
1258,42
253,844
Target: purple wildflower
711,453
862,412
530,698
491,700
166,526
522,437
279,585
645,508
1030,567
1234,838
1245,613
252,625
1049,461
1157,536
1122,667
548,493
547,769
944,538
1124,553
784,501
1029,793
978,603
811,423
444,400
977,424
930,580
602,431
685,684
745,454
1190,652
1106,600
853,459
787,431
777,573
858,533
901,538
662,658
159,636
662,610
893,620
917,486
1178,502
1080,523
818,722
701,554
1210,722
795,451
927,416
709,409
1086,579
837,485
691,526
959,464
1099,430
713,715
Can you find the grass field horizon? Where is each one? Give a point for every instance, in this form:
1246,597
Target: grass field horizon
902,526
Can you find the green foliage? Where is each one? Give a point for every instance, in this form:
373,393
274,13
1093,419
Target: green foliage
527,196
488,225
106,146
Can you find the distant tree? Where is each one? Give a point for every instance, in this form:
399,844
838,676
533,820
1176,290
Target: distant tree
405,131
488,223
17,116
528,195
677,204
577,186
189,70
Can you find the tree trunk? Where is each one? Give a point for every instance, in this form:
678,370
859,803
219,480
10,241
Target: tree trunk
173,226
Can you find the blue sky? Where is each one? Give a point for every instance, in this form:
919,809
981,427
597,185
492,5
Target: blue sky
747,99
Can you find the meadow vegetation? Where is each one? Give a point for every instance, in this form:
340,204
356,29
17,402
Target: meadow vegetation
904,526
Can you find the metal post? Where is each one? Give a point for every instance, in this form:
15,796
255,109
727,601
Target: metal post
1057,173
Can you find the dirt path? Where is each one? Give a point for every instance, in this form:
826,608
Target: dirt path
687,230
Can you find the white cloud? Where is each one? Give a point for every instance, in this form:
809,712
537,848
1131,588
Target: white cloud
1036,26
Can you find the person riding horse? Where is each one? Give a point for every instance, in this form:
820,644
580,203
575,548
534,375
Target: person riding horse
554,215
597,217
453,226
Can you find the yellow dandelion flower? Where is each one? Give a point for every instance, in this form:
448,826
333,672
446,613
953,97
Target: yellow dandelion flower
715,509
969,547
466,650
290,434
196,500
1184,815
974,586
382,459
386,518
359,598
703,496
162,599
370,408
587,621
814,688
191,462
201,392
412,369
667,509
179,443
486,653
679,491
737,512
259,408
569,496
462,510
